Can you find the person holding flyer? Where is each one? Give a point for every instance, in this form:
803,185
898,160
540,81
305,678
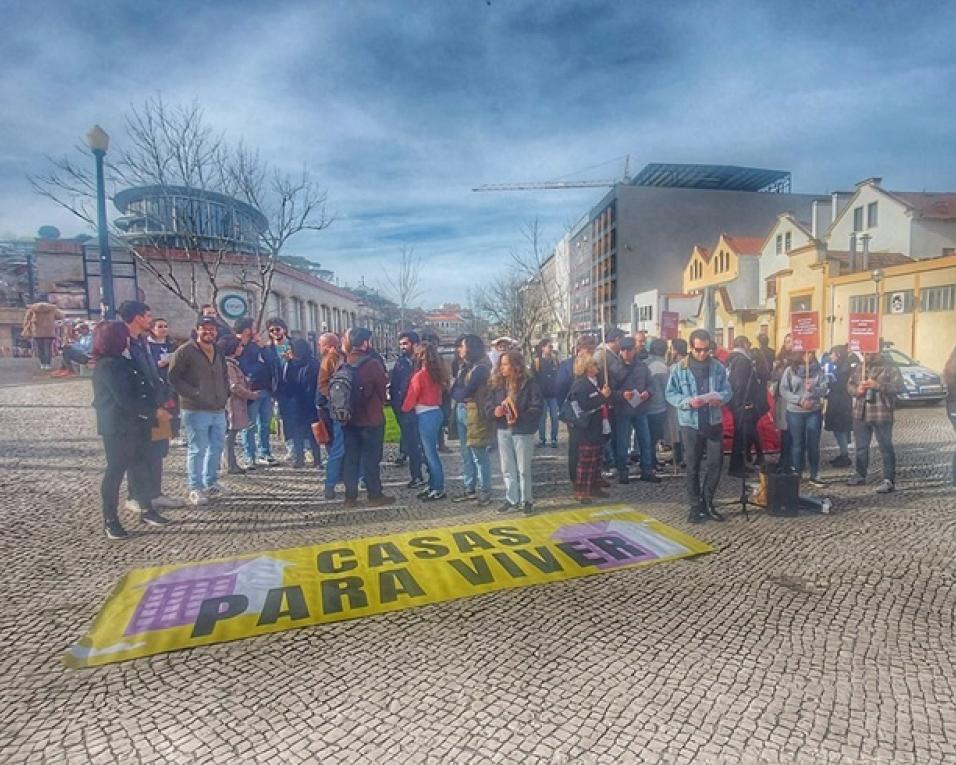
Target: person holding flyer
874,386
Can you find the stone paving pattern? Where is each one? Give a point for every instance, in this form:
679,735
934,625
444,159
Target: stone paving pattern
815,639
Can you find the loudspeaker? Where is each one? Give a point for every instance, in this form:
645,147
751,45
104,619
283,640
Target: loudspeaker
783,491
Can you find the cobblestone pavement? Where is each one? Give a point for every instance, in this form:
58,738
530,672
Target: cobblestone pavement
816,639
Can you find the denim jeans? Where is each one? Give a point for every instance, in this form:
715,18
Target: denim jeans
516,452
260,419
863,433
429,426
363,457
336,453
206,437
625,423
843,442
550,410
804,428
475,461
410,444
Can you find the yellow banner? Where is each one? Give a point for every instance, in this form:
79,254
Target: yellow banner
154,610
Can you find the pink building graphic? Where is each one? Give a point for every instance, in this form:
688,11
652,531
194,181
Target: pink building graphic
638,535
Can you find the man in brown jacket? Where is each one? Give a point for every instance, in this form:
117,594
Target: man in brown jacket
39,324
198,374
365,432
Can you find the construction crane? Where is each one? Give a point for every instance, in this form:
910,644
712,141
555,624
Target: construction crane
558,184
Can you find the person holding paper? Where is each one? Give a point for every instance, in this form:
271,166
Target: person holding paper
697,389
587,397
803,386
874,387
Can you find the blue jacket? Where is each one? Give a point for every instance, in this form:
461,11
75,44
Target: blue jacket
682,387
564,379
399,380
254,363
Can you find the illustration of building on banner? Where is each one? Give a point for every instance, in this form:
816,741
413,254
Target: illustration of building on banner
638,536
173,599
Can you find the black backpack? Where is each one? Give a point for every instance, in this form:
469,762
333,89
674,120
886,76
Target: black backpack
343,390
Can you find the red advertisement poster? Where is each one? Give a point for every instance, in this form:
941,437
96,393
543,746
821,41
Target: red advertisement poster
670,323
805,330
864,332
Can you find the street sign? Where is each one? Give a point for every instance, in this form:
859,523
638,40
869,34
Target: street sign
805,330
670,324
864,333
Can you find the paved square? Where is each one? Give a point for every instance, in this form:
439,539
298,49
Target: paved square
815,639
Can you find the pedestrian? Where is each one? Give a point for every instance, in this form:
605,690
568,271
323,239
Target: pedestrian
208,310
430,336
545,374
125,415
197,372
299,383
698,388
631,392
677,353
398,382
39,325
656,405
237,405
278,356
780,364
803,386
260,366
364,434
515,403
588,399
949,378
564,382
611,372
78,353
763,357
161,347
499,346
874,395
748,405
839,412
424,400
138,319
469,390
640,345
331,360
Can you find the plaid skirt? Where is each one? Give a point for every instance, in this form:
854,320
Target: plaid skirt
589,468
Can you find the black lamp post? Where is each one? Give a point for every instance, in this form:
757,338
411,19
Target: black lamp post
98,141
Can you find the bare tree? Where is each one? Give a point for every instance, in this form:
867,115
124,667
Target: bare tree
403,283
189,168
510,305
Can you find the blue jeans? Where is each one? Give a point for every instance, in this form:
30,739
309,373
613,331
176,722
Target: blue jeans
429,425
624,423
516,452
206,437
336,451
475,461
363,457
260,418
804,428
550,409
843,442
410,443
863,433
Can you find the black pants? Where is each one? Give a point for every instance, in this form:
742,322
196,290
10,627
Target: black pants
745,437
126,455
154,453
44,348
231,463
73,356
363,456
704,453
863,433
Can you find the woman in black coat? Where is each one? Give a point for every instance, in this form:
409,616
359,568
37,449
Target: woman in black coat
839,415
587,437
300,382
125,415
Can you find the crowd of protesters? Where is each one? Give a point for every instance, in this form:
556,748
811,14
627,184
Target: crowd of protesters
626,401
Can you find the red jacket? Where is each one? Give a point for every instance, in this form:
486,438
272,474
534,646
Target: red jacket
422,390
370,399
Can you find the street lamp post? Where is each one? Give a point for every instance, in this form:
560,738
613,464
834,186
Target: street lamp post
877,277
98,141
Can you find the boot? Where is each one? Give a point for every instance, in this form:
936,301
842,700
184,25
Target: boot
696,514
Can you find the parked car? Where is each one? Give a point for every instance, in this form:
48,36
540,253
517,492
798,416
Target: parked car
922,384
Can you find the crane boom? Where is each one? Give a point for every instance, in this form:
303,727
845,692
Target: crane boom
531,186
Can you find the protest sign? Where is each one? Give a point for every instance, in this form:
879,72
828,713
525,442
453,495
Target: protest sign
864,332
805,330
670,325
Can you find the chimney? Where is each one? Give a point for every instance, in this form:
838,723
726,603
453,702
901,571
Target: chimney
818,209
874,181
866,251
852,253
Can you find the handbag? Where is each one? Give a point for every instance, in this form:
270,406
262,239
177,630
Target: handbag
321,432
162,431
574,418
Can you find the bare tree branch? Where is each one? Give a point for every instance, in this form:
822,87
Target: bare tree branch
403,283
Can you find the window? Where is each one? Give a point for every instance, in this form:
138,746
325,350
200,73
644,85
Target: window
863,304
899,301
857,218
779,244
787,239
937,298
871,215
801,303
771,288
645,313
719,338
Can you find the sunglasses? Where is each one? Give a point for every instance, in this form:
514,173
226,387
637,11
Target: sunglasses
700,350
275,331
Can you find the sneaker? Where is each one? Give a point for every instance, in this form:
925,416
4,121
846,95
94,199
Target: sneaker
398,462
528,508
329,492
467,496
114,530
416,483
554,445
711,512
815,482
197,498
216,490
152,518
435,494
381,501
886,486
841,462
650,478
696,517
167,503
507,507
362,485
423,494
248,465
236,471
133,506
483,501
266,461
856,480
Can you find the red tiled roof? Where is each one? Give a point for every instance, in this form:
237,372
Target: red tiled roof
939,206
745,245
875,259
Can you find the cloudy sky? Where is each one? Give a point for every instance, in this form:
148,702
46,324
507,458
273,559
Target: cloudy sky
401,107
